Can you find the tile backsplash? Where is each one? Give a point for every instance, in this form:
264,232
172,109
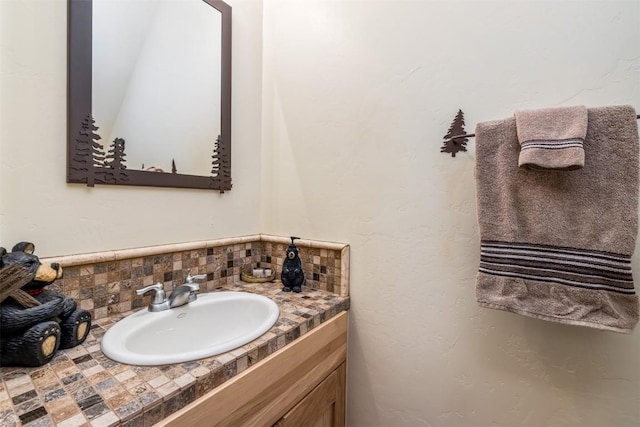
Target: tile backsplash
105,283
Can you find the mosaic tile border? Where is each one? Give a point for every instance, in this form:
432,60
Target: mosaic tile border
105,283
82,387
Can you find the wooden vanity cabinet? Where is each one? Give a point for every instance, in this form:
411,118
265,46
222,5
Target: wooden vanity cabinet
300,385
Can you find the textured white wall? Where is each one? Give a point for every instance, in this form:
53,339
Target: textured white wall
357,98
35,202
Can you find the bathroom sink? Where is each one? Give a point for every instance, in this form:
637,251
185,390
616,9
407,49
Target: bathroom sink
215,323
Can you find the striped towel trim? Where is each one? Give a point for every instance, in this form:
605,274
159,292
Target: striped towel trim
568,266
552,144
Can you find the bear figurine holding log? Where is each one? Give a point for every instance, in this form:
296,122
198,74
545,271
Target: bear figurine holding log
34,321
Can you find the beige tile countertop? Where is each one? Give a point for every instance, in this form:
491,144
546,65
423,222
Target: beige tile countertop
82,387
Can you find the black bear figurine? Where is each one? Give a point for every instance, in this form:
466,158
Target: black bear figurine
292,274
30,336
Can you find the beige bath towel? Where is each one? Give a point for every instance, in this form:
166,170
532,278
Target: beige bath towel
557,245
552,138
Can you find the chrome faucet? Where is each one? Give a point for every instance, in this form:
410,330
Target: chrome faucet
183,294
180,295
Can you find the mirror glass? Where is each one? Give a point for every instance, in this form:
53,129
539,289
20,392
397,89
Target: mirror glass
156,81
149,95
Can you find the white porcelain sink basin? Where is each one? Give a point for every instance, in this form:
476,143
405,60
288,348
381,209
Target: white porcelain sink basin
216,323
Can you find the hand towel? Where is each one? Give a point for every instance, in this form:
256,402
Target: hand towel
552,138
557,245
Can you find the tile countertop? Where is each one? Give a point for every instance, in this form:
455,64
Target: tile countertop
82,387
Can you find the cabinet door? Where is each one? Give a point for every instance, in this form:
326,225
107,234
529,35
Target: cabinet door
323,407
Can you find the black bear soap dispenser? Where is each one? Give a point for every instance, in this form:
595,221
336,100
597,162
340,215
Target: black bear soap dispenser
292,275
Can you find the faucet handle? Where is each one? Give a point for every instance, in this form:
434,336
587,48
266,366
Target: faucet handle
159,297
190,278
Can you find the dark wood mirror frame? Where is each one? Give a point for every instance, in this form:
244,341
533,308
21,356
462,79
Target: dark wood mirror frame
83,151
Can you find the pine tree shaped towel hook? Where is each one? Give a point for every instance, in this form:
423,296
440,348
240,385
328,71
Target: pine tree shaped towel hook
456,138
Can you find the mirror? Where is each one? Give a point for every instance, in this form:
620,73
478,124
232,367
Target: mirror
149,93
